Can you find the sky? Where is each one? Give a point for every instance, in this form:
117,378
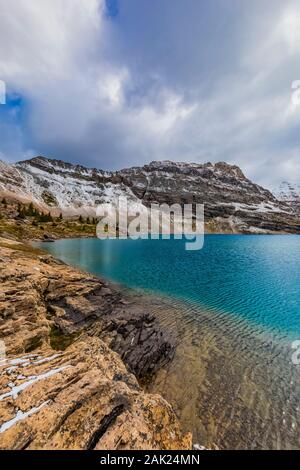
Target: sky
117,83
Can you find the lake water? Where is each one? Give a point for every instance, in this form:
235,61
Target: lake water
234,307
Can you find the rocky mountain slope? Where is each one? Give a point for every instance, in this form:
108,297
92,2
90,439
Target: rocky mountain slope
289,193
232,202
71,347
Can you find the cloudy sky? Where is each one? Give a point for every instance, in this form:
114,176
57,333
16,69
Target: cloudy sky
118,83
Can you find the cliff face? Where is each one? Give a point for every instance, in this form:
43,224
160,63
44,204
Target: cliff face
73,344
233,203
290,194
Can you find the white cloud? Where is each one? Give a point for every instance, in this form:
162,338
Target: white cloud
53,51
111,87
115,93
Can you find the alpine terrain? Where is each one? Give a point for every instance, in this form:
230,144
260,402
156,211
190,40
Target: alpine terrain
233,203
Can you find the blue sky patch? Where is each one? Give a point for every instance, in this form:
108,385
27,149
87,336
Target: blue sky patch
112,8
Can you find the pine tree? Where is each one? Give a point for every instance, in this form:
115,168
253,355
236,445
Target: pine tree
21,214
30,211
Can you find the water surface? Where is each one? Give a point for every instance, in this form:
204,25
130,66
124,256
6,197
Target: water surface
234,307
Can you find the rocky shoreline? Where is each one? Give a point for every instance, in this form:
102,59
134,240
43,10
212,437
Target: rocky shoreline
77,351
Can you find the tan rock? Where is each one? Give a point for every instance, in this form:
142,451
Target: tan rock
45,302
83,398
62,386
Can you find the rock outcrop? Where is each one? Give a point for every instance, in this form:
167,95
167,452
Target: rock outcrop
82,398
61,385
45,301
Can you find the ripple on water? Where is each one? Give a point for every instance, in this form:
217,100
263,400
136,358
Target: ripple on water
231,384
234,308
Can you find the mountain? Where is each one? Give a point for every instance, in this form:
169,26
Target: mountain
288,192
233,203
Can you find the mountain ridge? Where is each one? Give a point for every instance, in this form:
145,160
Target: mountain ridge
233,203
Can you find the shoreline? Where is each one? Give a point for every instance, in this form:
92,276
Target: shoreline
224,366
166,378
56,307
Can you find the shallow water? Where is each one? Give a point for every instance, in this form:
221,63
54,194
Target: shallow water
233,385
234,308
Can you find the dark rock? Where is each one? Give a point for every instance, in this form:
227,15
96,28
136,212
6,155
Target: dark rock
50,302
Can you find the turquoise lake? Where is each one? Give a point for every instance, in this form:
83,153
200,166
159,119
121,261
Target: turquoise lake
233,309
255,277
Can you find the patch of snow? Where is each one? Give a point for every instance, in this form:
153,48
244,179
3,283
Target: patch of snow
9,370
198,447
19,361
15,390
287,192
263,207
21,377
20,416
46,359
257,230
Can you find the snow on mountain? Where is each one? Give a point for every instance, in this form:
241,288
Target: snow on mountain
288,192
73,189
232,201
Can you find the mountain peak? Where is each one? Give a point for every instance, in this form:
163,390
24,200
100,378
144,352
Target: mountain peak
232,202
37,159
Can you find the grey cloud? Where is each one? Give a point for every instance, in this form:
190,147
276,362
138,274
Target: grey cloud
193,81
